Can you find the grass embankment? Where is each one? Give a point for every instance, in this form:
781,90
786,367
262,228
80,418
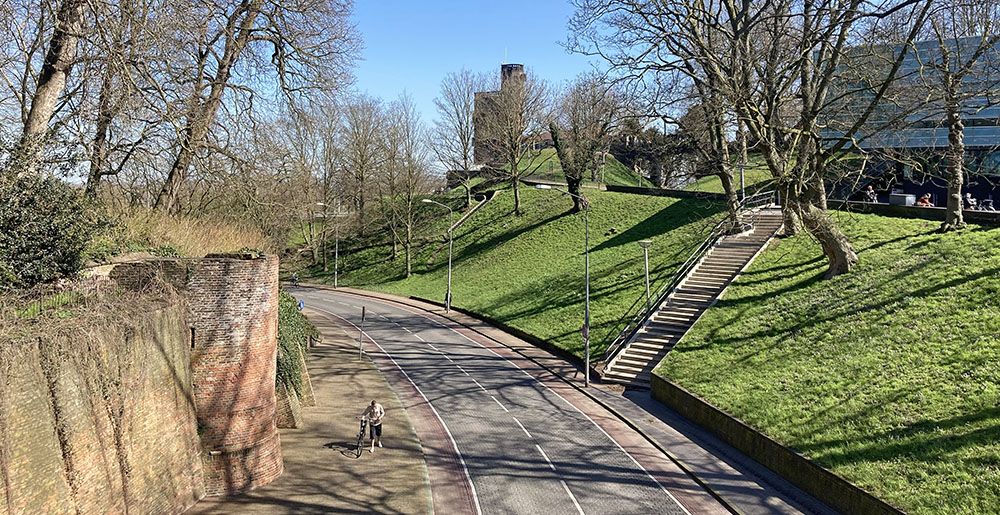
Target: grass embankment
613,172
757,179
889,376
159,234
527,271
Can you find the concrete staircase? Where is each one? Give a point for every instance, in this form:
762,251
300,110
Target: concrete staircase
698,290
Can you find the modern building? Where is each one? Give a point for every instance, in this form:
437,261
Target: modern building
905,140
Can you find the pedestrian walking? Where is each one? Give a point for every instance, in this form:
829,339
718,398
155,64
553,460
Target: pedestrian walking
374,413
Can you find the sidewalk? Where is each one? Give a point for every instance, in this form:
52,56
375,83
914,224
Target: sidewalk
322,473
746,486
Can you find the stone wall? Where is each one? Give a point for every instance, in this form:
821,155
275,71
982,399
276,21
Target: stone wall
98,414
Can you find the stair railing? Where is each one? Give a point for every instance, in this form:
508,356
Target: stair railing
639,312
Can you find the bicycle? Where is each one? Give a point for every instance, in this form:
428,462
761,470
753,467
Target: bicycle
361,436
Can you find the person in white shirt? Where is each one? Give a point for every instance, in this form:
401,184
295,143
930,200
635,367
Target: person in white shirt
374,414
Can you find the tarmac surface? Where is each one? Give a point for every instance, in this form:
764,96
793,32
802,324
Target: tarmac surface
523,444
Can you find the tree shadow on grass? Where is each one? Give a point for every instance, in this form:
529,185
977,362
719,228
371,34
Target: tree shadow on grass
928,440
676,215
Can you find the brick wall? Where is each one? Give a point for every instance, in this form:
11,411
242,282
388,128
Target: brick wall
233,304
63,397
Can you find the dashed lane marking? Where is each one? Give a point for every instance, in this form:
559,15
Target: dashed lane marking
461,459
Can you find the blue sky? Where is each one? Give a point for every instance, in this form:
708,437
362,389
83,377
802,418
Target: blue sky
412,45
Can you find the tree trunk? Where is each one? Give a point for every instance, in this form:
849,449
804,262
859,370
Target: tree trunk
99,151
408,247
953,219
322,244
789,211
517,196
51,82
836,247
202,115
732,201
573,186
468,193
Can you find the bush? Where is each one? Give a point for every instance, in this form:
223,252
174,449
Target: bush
44,228
294,330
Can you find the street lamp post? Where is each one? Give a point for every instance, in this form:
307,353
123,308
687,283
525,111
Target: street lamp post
447,295
645,244
586,274
336,244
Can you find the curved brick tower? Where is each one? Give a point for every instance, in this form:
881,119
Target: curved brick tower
233,303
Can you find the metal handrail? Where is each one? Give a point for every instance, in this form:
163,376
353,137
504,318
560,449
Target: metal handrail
637,314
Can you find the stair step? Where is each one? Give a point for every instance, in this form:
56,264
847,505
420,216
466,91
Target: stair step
627,374
665,328
643,353
670,316
692,292
630,367
654,342
699,283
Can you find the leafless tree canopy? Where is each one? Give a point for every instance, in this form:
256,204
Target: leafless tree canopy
511,122
766,67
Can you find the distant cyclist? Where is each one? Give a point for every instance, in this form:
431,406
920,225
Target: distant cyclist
374,414
295,278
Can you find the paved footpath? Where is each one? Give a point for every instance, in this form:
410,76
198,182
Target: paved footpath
322,473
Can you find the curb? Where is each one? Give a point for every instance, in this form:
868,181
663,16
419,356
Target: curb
531,340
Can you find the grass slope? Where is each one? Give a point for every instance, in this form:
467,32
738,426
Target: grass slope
528,271
614,172
757,177
888,375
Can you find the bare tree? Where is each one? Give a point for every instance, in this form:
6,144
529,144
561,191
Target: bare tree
772,63
511,122
960,69
581,131
59,59
454,128
307,43
361,141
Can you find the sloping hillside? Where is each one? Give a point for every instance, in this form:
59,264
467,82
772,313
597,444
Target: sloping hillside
613,172
528,271
889,375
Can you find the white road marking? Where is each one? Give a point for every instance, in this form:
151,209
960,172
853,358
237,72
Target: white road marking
460,368
519,424
547,460
405,329
422,339
477,382
656,481
573,498
500,404
461,459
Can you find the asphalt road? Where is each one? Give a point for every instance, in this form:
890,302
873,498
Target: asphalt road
524,448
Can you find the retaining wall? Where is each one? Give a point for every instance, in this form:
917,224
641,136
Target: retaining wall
935,214
94,420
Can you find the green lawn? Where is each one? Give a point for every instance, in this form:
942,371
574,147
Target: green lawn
889,376
614,172
527,271
756,179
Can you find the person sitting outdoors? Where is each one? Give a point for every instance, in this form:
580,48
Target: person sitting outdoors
970,201
925,201
870,196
